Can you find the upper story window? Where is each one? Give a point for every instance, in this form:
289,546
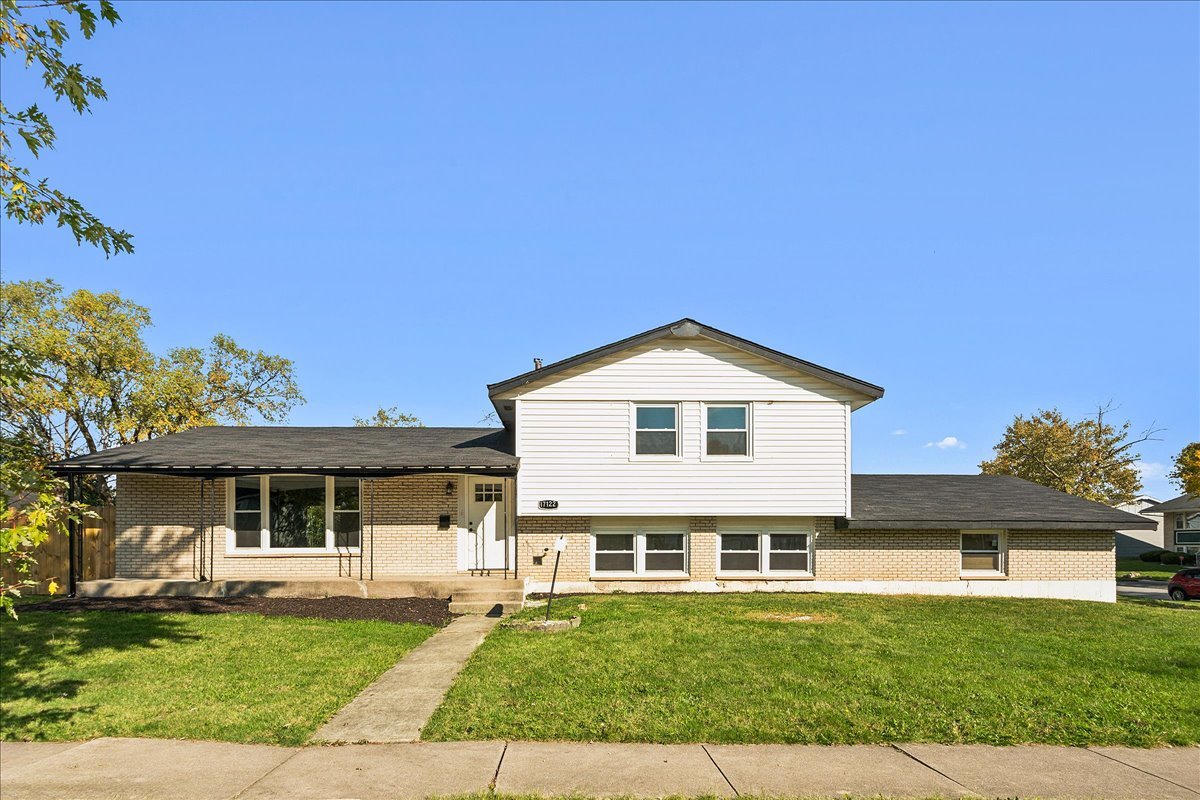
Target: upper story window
300,513
1187,527
656,429
727,430
981,552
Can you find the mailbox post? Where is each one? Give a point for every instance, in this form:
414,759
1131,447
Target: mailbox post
560,544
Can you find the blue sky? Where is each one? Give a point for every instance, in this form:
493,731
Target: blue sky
986,209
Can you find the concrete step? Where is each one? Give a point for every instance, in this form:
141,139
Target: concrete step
510,595
488,607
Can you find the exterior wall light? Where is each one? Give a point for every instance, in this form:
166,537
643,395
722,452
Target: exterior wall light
449,488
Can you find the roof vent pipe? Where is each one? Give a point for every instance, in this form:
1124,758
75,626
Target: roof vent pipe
537,363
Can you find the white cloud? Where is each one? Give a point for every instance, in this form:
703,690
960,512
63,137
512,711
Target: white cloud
947,443
1150,469
899,432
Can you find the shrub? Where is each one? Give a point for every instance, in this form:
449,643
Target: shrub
1177,559
1153,556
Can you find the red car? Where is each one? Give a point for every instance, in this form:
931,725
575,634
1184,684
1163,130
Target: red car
1185,585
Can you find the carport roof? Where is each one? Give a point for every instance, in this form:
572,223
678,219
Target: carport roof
216,451
897,502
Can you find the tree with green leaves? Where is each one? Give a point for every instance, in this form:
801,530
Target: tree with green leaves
92,382
1089,458
1186,472
35,33
391,417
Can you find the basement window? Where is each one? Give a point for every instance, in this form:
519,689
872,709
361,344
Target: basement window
300,514
765,551
650,552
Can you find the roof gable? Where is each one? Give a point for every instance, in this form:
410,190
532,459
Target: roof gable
681,335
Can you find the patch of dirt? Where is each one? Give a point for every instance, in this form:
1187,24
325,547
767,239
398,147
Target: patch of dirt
423,611
789,616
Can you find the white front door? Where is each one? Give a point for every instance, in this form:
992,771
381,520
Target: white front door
486,524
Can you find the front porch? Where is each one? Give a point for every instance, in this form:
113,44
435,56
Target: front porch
468,594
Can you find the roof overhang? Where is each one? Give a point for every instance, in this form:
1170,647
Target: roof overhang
842,523
218,471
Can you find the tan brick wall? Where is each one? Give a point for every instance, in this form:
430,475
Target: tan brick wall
158,516
845,555
1062,555
535,537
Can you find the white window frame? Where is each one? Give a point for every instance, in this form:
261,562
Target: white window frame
264,517
1001,549
704,454
634,455
639,551
764,551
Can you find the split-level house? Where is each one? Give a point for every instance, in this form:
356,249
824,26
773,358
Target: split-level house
680,459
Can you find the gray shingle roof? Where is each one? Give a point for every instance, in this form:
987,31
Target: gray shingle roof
882,502
1185,502
360,451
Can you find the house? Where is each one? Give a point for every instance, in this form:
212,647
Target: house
1132,543
1181,523
680,459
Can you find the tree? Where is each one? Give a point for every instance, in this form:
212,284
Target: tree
389,418
27,199
93,384
1186,473
1090,458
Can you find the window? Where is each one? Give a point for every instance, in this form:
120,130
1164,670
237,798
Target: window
639,552
727,430
347,526
656,430
489,492
298,513
1187,528
766,551
981,552
247,512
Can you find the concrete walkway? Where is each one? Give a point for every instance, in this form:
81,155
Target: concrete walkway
149,768
398,704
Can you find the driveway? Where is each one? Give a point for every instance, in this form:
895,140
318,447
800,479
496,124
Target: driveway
1156,590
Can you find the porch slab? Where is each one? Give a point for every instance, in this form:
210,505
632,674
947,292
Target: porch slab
588,769
398,704
383,771
768,770
143,768
1064,773
383,587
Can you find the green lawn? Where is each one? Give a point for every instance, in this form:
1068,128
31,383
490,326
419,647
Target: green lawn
232,677
723,668
1147,571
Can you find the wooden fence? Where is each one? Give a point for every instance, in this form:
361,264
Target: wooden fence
52,559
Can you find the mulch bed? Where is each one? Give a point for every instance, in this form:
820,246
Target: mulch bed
424,611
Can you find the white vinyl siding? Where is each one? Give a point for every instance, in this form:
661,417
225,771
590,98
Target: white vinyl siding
577,452
574,436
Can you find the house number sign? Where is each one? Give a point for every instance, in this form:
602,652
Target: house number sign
547,504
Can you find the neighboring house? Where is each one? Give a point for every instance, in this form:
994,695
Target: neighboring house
683,458
1181,523
1132,543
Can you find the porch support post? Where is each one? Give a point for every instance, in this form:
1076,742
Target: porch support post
212,528
373,529
360,532
72,537
200,532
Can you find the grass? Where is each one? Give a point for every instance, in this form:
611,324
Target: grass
230,677
863,669
1146,570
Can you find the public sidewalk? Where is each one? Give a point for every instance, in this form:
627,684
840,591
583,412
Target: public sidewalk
158,768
